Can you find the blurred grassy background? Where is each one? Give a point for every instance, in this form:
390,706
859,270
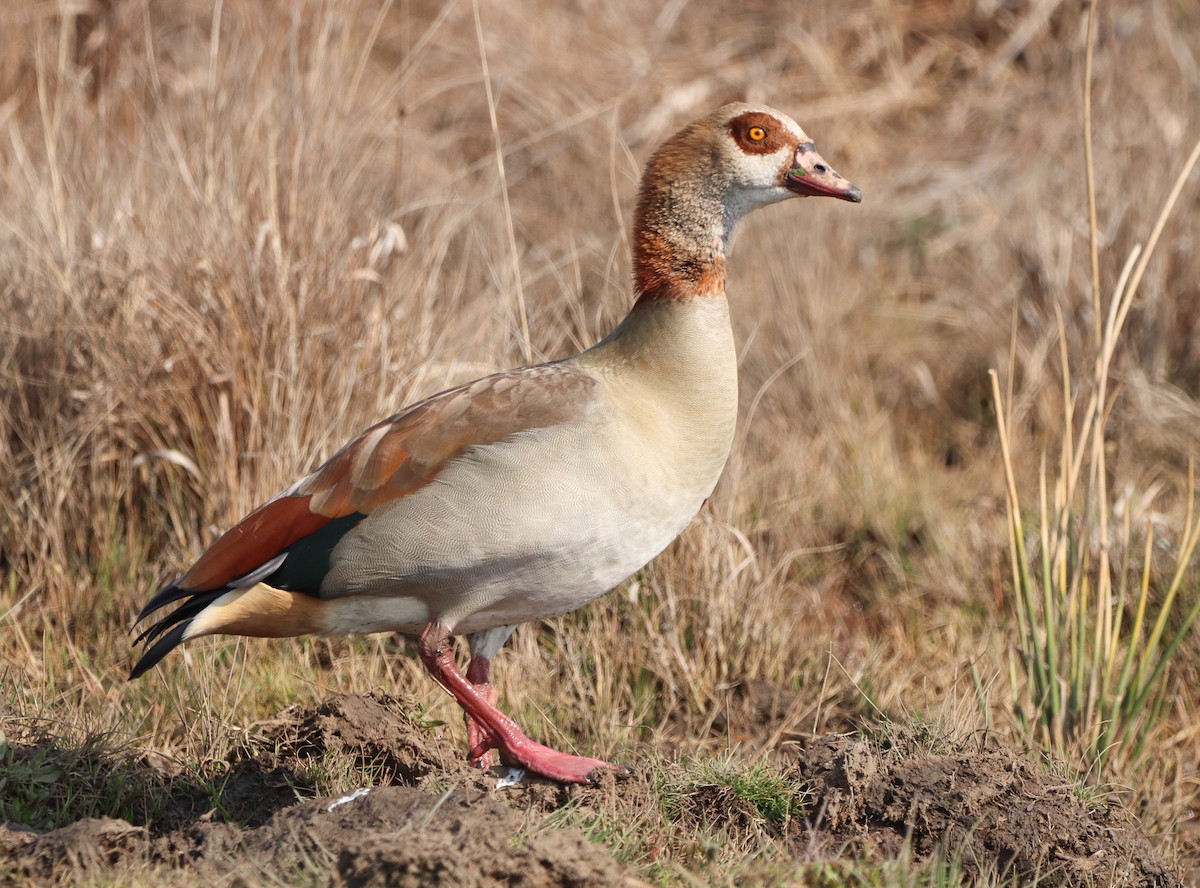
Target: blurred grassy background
232,236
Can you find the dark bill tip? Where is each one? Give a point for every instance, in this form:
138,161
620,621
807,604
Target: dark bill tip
823,183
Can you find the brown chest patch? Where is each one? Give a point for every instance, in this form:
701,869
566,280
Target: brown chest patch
661,272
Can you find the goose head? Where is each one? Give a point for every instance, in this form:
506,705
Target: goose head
770,158
703,180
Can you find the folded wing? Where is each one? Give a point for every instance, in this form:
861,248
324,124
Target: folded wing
286,542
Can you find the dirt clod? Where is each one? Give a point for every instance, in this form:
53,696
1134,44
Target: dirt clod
377,731
95,841
989,806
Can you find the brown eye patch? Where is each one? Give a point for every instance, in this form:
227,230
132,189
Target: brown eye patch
759,133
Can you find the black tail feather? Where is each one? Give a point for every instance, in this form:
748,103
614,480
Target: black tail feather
167,633
160,649
185,612
164,596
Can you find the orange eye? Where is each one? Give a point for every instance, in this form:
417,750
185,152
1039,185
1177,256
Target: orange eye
757,134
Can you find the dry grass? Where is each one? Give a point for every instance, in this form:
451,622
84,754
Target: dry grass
231,238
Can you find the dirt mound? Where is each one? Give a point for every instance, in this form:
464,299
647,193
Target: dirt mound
990,806
386,736
83,845
391,835
372,739
402,836
412,832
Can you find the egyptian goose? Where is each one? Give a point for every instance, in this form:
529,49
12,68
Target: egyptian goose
528,493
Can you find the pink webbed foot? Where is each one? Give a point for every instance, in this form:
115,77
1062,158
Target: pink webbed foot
519,751
488,727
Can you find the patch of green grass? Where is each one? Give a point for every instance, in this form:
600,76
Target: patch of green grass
53,782
757,789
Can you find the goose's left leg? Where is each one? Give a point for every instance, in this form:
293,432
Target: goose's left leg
484,647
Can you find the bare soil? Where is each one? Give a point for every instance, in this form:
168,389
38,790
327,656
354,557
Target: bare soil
988,804
393,835
429,819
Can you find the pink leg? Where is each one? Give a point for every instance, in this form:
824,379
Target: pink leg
515,748
480,742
